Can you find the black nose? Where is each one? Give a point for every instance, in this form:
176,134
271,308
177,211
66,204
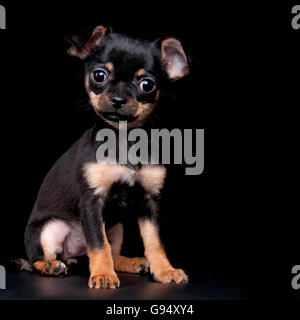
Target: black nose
118,102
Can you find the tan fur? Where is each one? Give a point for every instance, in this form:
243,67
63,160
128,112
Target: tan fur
131,265
153,249
48,267
154,252
87,83
142,112
109,66
101,176
152,178
157,95
121,263
40,266
142,109
102,266
100,259
141,72
97,100
94,98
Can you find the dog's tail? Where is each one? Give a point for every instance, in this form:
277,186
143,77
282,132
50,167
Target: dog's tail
18,264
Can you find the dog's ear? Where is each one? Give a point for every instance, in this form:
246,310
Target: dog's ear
82,51
174,58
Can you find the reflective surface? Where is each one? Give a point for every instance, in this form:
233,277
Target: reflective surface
23,285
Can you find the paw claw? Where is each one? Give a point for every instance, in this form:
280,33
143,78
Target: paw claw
51,268
144,268
60,268
170,276
110,281
48,267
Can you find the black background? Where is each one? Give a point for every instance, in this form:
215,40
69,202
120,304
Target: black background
215,221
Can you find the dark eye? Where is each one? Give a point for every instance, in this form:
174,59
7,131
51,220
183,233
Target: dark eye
99,76
147,85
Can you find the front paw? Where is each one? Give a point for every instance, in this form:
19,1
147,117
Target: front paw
170,275
139,265
104,281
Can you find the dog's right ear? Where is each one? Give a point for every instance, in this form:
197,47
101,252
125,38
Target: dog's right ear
84,50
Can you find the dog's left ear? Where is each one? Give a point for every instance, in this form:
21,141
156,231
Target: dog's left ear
83,51
174,58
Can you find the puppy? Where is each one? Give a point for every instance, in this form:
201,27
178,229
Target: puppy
123,78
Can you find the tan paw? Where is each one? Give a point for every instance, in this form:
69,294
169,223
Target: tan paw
136,265
51,268
139,265
169,276
132,265
104,281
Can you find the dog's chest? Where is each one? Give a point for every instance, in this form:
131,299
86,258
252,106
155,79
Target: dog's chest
100,177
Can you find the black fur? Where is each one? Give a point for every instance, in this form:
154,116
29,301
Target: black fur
64,193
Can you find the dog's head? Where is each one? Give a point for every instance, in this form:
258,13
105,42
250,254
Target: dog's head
123,76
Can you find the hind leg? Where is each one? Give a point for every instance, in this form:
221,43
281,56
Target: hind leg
121,263
52,238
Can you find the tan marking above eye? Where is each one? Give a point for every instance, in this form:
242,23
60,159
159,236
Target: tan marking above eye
109,66
141,72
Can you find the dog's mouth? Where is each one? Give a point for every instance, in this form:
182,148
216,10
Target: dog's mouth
116,117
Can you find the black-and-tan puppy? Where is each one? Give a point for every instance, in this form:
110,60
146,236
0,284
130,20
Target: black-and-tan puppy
123,78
